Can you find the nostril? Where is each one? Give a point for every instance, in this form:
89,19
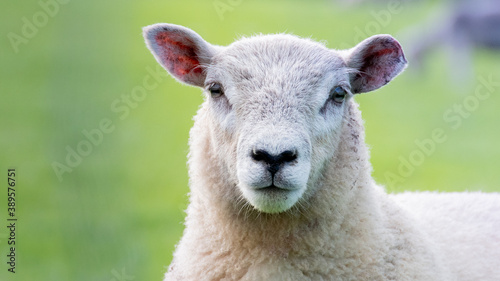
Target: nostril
261,155
288,156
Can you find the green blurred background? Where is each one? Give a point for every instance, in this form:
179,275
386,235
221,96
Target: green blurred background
118,214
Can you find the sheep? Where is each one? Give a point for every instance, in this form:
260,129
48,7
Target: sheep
280,179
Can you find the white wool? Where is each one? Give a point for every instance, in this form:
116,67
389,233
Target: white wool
280,179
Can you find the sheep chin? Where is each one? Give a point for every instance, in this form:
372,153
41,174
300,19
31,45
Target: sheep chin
272,199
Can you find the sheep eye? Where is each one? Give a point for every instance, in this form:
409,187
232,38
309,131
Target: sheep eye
337,94
215,90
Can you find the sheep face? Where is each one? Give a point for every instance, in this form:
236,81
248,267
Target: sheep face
276,103
284,115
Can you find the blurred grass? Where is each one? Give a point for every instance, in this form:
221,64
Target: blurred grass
121,210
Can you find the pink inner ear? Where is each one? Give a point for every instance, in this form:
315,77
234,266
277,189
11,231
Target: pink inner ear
178,53
382,61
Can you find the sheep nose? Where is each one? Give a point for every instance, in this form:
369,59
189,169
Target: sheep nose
274,161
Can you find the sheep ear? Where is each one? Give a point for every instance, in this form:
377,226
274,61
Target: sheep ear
376,61
181,51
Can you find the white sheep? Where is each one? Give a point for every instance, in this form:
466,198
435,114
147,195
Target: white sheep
280,179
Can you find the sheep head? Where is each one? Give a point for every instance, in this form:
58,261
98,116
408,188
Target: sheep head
277,103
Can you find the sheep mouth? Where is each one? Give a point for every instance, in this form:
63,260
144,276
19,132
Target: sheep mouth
276,192
273,188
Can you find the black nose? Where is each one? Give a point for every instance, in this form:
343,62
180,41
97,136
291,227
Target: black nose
274,162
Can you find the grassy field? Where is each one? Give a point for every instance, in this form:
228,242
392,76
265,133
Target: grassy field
115,212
